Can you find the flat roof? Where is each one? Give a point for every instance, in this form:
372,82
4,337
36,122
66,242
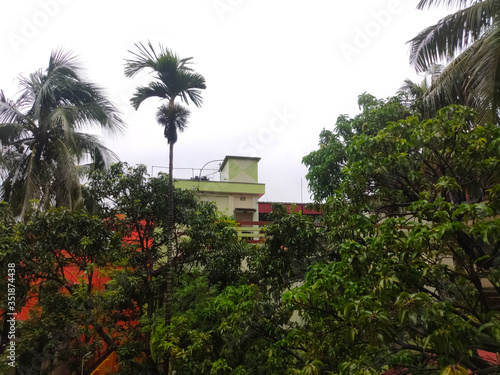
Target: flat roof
222,187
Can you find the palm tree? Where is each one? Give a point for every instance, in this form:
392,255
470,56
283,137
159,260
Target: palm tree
41,139
173,78
468,41
414,92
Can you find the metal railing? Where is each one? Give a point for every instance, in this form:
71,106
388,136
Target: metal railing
188,173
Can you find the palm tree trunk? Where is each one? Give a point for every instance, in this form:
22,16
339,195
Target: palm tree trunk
170,251
170,244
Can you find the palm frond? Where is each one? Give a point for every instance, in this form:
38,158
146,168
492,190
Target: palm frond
448,87
10,134
452,34
90,145
484,78
29,182
10,111
447,3
102,113
66,180
62,120
146,57
412,89
189,86
155,89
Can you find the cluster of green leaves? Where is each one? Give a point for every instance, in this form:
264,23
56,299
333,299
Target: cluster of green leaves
58,255
137,207
326,164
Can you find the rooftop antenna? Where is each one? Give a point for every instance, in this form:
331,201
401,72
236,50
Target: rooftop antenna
211,161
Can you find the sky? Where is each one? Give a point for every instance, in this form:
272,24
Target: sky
277,72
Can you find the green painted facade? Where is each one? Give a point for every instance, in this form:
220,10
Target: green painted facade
221,187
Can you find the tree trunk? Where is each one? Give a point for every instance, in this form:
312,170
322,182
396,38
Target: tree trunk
170,251
170,244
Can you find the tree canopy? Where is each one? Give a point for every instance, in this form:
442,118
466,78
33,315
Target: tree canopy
325,164
415,225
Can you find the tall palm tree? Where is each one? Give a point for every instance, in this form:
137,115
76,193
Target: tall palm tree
468,41
42,143
173,78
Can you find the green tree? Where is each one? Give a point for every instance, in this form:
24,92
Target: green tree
325,164
293,243
136,207
60,258
173,77
97,279
415,226
469,36
238,325
42,138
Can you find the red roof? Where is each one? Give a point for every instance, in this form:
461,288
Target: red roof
266,207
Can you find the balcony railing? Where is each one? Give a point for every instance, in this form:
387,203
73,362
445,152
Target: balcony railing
251,230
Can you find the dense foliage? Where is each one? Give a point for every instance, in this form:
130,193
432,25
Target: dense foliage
414,222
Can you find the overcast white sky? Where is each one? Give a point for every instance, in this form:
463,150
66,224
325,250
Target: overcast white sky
277,72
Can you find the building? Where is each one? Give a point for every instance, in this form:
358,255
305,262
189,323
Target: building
238,191
237,194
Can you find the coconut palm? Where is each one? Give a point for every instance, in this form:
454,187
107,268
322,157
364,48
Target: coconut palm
414,92
42,143
468,41
173,78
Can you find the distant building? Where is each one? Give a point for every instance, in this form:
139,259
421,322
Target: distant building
238,191
237,194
